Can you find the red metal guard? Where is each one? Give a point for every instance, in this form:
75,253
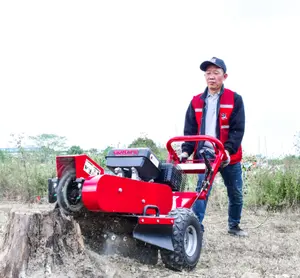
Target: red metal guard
187,199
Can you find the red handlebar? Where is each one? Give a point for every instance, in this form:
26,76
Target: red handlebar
217,144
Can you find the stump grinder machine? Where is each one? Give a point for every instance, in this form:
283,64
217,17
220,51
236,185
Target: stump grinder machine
148,193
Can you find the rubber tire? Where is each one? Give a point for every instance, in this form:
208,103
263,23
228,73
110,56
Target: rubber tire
178,259
62,199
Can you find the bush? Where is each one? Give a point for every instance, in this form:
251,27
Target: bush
274,186
23,176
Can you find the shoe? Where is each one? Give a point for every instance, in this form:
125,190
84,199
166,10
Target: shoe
237,231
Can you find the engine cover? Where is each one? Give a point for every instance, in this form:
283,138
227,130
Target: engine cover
142,159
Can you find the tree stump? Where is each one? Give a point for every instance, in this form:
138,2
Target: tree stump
43,244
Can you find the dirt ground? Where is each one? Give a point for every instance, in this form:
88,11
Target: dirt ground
271,250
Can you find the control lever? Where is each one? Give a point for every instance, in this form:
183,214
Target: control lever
206,161
208,173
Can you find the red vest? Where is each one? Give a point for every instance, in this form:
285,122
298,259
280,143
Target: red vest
226,108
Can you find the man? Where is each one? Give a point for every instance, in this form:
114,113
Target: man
218,112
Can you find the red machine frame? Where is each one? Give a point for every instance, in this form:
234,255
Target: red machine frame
104,192
150,202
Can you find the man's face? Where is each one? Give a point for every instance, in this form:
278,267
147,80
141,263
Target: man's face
215,77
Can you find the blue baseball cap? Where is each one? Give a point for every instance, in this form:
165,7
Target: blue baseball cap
214,61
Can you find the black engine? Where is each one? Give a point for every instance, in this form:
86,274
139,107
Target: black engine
142,164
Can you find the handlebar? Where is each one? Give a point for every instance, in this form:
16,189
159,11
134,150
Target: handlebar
217,144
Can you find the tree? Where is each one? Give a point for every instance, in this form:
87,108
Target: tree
163,153
75,150
101,157
144,142
51,142
93,151
2,156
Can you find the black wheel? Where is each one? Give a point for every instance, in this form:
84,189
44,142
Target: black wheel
187,241
51,192
68,193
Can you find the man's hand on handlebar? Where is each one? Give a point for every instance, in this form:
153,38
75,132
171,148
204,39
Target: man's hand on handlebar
226,162
183,157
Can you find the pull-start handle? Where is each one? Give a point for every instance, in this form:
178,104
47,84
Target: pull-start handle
151,207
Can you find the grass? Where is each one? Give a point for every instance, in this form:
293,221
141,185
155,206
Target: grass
274,187
24,176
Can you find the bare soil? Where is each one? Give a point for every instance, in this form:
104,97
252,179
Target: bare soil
271,250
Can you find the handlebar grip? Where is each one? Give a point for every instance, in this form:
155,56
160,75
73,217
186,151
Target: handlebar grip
218,145
225,157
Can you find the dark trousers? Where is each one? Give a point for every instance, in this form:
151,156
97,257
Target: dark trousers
232,177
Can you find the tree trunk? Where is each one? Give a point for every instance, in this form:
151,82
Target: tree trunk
43,244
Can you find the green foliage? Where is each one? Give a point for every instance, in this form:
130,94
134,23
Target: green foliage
75,150
145,142
162,154
49,142
92,151
2,156
100,157
24,175
49,145
274,186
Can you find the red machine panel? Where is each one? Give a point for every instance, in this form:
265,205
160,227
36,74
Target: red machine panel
108,193
84,165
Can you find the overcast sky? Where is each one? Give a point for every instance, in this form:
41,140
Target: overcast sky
103,72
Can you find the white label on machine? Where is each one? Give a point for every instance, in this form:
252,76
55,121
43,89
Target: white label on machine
90,168
183,202
154,160
191,166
